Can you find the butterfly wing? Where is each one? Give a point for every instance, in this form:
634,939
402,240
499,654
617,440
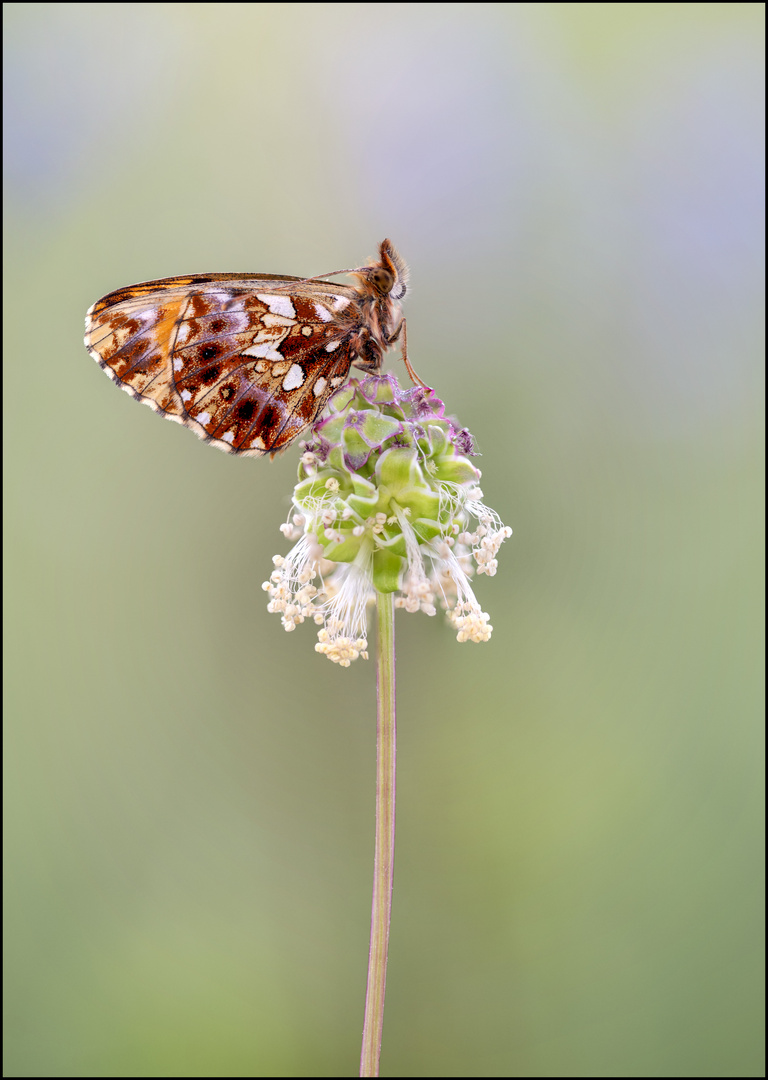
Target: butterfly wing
247,361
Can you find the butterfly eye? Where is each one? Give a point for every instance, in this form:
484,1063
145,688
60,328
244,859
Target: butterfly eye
382,280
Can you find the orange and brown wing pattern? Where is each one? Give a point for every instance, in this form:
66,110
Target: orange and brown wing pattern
248,361
245,361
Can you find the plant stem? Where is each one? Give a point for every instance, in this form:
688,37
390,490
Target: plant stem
381,908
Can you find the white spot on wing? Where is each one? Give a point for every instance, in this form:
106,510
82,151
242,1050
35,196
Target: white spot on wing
203,418
320,385
228,438
219,297
323,313
277,320
237,320
340,302
294,378
278,305
263,350
332,345
178,364
186,395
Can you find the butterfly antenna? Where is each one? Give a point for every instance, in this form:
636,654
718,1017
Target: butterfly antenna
319,277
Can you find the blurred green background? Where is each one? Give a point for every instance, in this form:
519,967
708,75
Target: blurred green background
578,190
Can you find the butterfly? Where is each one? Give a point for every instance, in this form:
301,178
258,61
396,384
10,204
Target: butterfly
248,361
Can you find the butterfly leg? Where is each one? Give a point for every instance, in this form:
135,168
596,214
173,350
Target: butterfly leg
391,341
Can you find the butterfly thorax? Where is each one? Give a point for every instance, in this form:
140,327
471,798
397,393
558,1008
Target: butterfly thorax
372,329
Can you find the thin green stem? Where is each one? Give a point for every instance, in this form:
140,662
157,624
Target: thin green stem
381,908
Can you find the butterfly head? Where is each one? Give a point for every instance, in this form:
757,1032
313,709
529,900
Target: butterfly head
388,278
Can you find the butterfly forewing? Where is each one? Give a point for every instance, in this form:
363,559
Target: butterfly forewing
247,361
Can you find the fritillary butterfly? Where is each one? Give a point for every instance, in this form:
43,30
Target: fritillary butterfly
248,361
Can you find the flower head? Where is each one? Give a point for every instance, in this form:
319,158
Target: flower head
387,501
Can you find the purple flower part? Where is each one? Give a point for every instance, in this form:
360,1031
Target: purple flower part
417,405
318,446
371,389
464,442
355,459
422,403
